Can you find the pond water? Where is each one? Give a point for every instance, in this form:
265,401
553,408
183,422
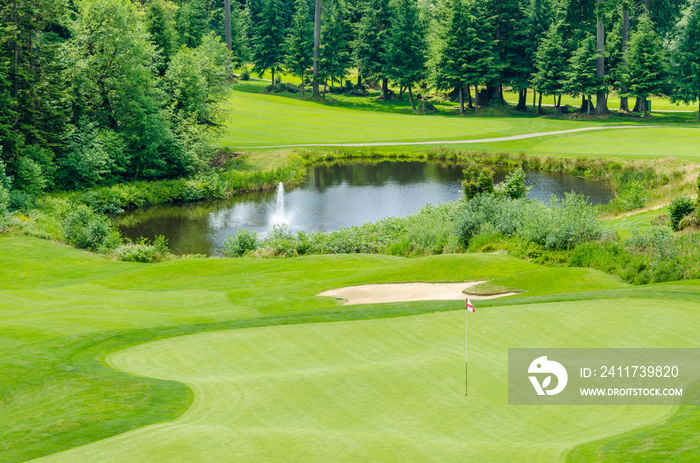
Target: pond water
332,197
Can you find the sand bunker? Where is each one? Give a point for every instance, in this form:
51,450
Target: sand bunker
401,292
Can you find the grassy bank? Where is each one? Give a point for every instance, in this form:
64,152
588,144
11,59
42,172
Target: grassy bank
63,311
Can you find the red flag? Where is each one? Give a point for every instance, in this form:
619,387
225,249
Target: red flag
470,307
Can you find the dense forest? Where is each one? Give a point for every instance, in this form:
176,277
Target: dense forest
97,92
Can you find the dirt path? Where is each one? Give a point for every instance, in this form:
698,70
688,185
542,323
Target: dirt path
403,292
451,142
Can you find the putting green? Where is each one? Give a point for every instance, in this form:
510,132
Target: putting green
387,389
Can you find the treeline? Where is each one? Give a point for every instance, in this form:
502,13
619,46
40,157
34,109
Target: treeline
635,48
96,92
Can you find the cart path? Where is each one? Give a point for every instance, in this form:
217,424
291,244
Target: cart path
451,142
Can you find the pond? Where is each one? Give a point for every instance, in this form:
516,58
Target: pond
332,197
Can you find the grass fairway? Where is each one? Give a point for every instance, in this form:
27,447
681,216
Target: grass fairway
386,390
237,360
255,119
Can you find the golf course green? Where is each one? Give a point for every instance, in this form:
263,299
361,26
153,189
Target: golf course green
267,371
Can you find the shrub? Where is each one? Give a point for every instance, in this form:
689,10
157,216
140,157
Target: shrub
477,181
4,202
143,250
679,208
240,243
84,228
632,196
513,186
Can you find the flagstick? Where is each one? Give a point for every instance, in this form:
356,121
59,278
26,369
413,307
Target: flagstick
466,352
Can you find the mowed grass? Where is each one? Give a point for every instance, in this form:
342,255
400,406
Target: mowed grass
254,119
257,119
385,384
389,390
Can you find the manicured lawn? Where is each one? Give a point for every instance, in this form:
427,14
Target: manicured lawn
384,389
256,119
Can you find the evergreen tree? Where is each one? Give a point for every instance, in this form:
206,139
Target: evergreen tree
646,63
192,22
268,38
550,64
687,59
451,61
581,78
298,45
370,44
336,33
160,24
405,55
480,64
513,51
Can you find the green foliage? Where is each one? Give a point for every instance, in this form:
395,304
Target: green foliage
406,47
581,77
679,208
160,24
550,62
298,45
84,228
336,30
633,195
562,225
477,181
143,250
646,62
268,38
240,243
513,186
371,39
30,178
687,60
87,161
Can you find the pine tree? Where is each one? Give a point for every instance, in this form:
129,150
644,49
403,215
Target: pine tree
267,40
336,31
370,44
687,60
405,55
646,63
160,24
480,63
550,63
298,45
581,78
451,61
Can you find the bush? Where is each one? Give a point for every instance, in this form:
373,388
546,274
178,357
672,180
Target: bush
679,208
84,228
4,202
143,251
513,186
30,178
240,243
633,196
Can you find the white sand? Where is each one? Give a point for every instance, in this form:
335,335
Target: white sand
400,292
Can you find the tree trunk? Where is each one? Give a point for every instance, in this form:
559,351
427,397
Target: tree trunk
461,100
410,95
534,101
273,76
227,19
601,102
637,105
476,100
317,44
522,100
385,88
302,85
589,106
539,107
624,104
469,97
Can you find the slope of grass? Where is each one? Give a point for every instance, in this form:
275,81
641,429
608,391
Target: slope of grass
385,390
63,311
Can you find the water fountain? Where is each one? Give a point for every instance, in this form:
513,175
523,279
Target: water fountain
279,215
